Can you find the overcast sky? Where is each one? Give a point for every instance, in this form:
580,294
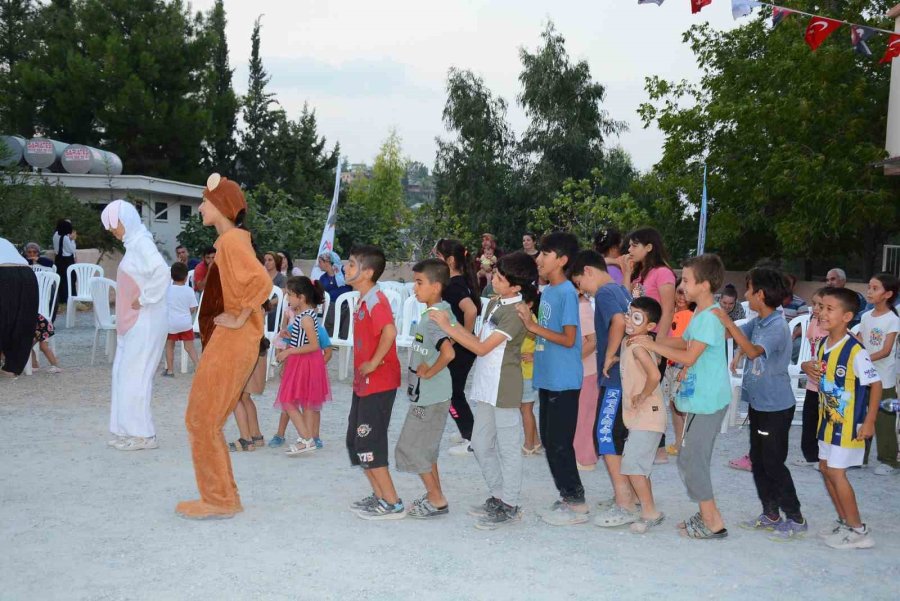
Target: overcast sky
368,66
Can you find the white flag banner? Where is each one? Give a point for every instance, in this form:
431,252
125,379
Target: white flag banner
327,242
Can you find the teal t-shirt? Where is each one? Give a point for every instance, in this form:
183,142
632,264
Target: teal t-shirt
706,387
427,340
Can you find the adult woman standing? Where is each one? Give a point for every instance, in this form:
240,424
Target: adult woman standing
141,325
465,302
64,244
18,309
646,272
231,354
529,246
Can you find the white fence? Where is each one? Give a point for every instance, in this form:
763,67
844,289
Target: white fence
890,260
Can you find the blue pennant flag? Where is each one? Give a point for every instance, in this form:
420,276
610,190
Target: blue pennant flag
859,35
701,234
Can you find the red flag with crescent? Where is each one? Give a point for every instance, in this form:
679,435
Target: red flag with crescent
697,5
818,30
893,48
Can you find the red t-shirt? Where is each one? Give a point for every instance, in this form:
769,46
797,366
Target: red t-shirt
372,315
200,271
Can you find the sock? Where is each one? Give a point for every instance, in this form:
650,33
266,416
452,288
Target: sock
861,530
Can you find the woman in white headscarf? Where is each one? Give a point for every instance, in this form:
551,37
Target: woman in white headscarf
141,327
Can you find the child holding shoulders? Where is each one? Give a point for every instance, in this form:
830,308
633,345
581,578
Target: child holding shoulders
304,382
497,387
429,390
376,378
878,331
765,341
809,445
558,373
849,394
705,391
643,410
181,303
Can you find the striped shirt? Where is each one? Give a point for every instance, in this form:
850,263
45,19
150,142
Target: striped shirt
847,372
298,335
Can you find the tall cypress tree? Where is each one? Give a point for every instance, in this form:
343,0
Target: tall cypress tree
220,146
16,19
254,157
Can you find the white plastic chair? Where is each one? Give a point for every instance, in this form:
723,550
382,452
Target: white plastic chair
37,268
84,272
104,319
732,416
323,308
48,288
190,279
272,333
409,316
344,344
480,319
395,299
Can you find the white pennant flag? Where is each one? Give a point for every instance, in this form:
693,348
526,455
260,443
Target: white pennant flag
742,8
656,2
327,242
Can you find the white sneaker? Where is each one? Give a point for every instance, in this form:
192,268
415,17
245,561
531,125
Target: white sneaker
456,438
560,514
303,445
461,450
137,443
54,370
848,538
115,441
801,462
885,470
831,530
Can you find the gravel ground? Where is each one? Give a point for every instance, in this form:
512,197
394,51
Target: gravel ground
80,521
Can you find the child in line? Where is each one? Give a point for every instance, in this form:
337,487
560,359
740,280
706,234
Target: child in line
376,377
558,375
43,330
765,341
429,389
181,304
643,410
497,387
878,331
611,301
683,313
704,393
245,415
809,446
585,449
849,394
532,445
282,342
304,383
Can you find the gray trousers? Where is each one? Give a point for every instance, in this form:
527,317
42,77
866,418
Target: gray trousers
497,439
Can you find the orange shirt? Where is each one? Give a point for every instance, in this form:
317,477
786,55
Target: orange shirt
680,322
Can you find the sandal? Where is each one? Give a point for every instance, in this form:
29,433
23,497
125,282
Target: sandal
259,441
241,445
535,450
423,509
641,526
697,529
694,518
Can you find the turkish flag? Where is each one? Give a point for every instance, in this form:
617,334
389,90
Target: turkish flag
819,29
696,5
893,48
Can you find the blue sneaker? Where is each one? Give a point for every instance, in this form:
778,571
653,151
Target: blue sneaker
763,522
789,529
319,443
384,511
276,441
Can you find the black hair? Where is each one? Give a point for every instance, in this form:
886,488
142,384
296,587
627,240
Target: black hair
587,258
240,220
180,246
771,282
520,270
369,257
891,284
691,304
311,291
648,305
847,297
435,271
209,250
657,257
290,263
563,244
275,257
454,248
708,268
728,290
63,228
530,235
178,271
607,239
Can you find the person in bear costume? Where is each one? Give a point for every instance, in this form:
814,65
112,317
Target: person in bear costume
230,355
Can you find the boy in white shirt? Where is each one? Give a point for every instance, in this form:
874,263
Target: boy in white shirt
181,304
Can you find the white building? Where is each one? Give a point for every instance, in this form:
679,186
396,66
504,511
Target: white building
164,205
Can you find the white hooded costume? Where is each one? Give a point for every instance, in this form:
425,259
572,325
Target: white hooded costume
141,333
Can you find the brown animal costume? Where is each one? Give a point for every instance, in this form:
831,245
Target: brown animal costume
227,360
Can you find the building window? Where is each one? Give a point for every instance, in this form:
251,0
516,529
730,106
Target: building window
185,213
162,211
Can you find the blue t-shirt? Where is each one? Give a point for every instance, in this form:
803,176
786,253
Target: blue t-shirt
706,387
610,299
767,385
557,367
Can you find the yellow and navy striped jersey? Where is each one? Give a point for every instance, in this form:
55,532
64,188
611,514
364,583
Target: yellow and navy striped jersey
847,371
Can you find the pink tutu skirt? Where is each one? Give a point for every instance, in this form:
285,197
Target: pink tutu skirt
304,383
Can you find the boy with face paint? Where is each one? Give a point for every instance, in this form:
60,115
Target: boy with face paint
643,409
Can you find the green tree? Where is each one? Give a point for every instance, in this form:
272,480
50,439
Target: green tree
568,126
261,116
789,137
16,31
220,145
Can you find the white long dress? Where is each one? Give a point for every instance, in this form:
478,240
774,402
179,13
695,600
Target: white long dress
141,334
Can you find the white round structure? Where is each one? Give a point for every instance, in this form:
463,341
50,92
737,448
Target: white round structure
77,158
